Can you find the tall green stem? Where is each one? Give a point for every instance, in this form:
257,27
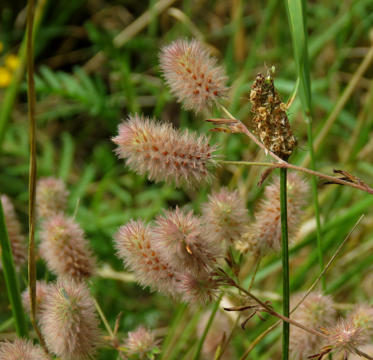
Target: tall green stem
285,263
11,279
296,10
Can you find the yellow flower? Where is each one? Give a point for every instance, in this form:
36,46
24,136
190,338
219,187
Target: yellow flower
5,77
1,46
11,62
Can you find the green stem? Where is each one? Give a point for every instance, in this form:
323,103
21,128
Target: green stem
11,280
285,264
207,328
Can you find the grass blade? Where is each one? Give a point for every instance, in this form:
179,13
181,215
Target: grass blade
11,279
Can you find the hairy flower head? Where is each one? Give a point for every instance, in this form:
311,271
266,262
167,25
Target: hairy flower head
316,311
65,248
69,322
16,238
135,247
225,216
181,240
264,234
192,74
142,343
51,196
42,288
21,349
202,288
345,337
163,153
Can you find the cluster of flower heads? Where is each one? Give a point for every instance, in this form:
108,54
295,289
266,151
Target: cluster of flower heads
178,253
343,336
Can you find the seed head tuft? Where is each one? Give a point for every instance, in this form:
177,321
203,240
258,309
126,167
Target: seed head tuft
16,238
142,343
135,247
200,289
316,311
183,243
68,321
163,153
264,235
270,120
225,216
65,248
51,197
192,74
21,349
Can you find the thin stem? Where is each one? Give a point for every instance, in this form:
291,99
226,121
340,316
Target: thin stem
11,280
285,263
247,132
104,320
207,328
316,202
31,100
333,179
256,268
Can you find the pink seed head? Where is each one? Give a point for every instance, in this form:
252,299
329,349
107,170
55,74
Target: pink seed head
264,235
316,311
69,322
51,197
181,240
163,153
141,342
225,216
192,74
16,238
21,349
65,248
201,289
134,245
345,336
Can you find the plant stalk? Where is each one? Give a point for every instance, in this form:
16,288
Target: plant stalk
11,279
285,263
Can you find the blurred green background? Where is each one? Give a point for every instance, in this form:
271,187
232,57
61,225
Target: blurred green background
97,61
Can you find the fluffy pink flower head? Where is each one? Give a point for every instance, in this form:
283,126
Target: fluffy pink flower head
141,342
225,216
42,289
65,248
134,245
202,288
16,238
192,74
264,234
345,337
180,239
69,322
163,153
316,311
51,196
21,349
